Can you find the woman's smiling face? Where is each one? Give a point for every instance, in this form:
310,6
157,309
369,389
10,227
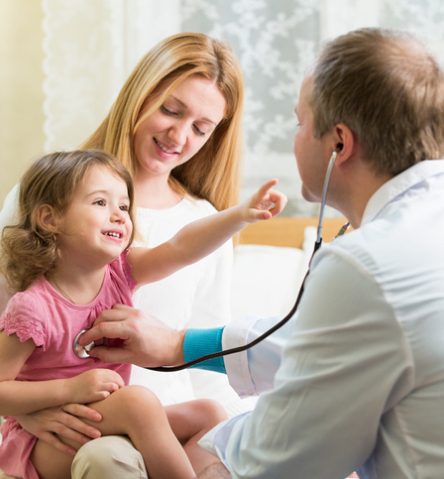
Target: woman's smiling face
179,128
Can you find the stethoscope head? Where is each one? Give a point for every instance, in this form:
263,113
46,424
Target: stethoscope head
81,351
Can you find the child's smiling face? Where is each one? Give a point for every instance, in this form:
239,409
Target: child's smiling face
96,225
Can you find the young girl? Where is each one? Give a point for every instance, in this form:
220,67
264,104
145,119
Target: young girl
68,258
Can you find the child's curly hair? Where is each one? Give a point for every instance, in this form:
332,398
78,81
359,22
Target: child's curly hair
28,248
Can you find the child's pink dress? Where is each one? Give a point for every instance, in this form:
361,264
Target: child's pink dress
40,313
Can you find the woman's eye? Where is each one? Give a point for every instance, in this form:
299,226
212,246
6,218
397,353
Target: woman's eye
199,131
167,111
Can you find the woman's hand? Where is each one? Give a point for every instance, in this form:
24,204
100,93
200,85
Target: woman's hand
53,425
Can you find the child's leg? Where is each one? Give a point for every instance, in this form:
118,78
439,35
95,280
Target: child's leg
49,462
136,412
189,422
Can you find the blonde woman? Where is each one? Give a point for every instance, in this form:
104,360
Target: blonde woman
176,125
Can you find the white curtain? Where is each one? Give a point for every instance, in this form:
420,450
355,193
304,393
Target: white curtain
91,45
277,42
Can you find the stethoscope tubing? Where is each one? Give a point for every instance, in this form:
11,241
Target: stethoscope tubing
292,311
252,343
83,352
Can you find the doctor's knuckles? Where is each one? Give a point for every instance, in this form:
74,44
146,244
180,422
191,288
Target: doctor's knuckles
144,340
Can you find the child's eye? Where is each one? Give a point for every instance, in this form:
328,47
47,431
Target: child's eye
100,202
124,208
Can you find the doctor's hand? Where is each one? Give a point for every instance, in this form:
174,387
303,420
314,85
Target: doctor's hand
56,424
144,340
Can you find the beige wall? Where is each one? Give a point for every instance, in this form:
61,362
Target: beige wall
21,94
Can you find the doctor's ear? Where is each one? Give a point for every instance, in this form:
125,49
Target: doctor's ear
345,142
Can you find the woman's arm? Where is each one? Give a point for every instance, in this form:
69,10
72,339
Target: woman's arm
8,216
22,397
200,238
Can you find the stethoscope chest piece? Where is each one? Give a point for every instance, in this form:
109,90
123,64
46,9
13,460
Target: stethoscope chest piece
81,351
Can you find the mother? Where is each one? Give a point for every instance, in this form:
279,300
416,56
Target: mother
176,125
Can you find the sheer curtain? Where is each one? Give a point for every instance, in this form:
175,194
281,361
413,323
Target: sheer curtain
91,45
277,42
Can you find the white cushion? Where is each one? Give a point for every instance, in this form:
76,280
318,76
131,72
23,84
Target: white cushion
266,280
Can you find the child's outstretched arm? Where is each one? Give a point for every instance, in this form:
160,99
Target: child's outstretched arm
201,237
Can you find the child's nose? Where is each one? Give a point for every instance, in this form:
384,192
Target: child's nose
117,215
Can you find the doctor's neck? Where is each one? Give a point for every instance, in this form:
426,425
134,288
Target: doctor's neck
358,183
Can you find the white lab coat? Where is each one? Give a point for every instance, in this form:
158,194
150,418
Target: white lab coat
356,380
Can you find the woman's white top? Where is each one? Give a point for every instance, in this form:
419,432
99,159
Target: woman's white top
198,295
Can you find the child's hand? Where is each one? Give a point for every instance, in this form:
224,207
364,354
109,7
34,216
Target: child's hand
265,203
93,385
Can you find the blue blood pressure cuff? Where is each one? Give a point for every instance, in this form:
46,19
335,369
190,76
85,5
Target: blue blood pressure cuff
200,342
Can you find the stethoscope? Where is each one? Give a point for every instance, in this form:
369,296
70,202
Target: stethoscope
83,351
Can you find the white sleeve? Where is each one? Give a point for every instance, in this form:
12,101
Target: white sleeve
9,212
8,215
345,362
252,372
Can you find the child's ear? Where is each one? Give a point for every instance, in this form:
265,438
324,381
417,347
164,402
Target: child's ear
46,219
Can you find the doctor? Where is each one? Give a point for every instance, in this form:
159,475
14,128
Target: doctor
357,380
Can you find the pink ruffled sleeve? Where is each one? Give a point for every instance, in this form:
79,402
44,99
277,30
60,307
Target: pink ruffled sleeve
24,317
122,261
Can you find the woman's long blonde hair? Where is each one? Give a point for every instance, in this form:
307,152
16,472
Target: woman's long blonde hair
29,248
213,172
